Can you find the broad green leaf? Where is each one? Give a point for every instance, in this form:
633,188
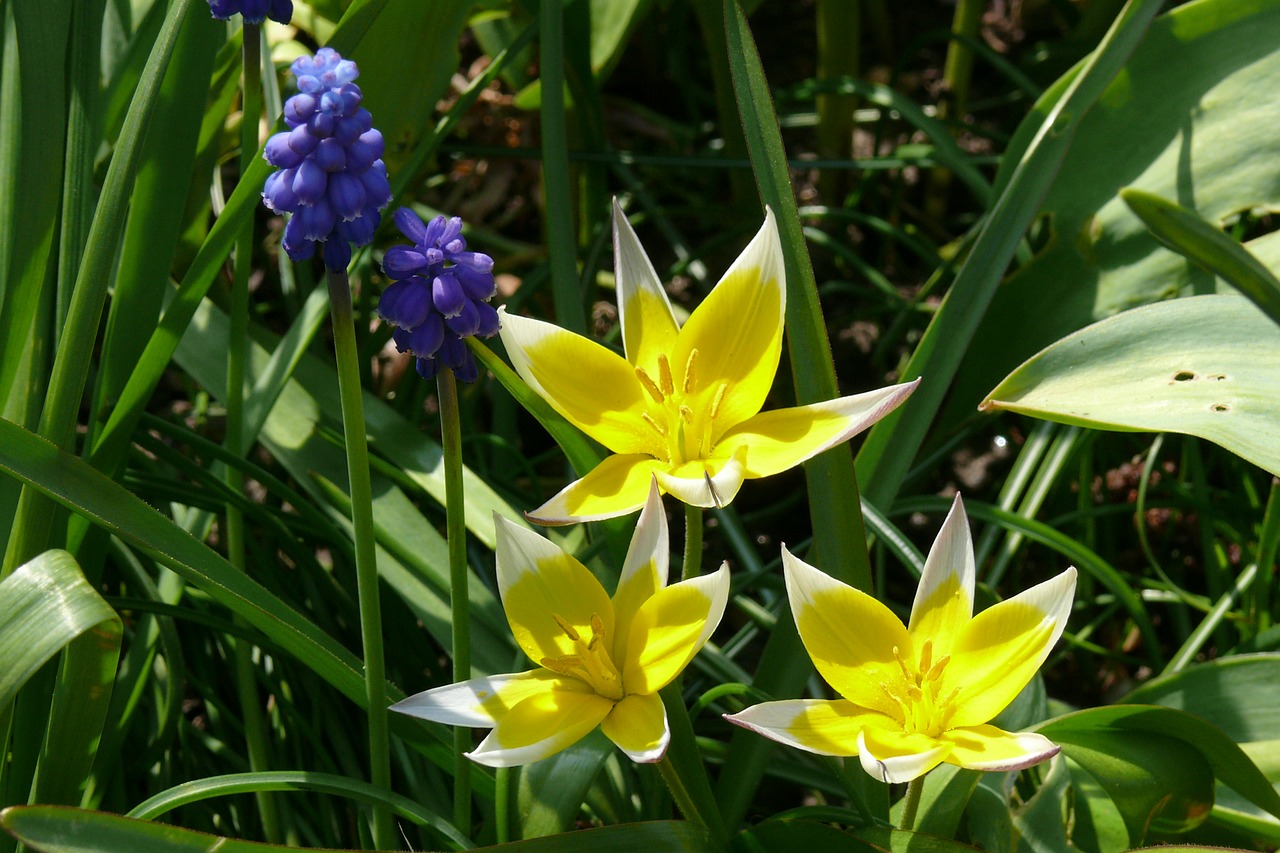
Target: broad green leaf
44,605
901,841
550,793
773,835
1038,823
1207,366
1186,233
1097,823
947,789
1112,731
55,829
1240,695
1187,121
1159,784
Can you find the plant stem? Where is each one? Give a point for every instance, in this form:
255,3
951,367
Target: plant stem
255,729
685,774
911,803
456,535
344,338
502,804
692,541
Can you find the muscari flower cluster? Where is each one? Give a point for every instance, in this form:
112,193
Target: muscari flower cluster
332,178
254,11
439,295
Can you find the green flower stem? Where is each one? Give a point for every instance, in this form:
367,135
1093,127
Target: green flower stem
456,535
502,804
255,728
683,771
692,541
911,803
344,338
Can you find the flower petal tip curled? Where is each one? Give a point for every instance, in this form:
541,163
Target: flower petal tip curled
682,403
920,694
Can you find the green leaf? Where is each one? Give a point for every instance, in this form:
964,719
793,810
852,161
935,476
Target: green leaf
773,835
1185,121
44,605
1187,233
325,783
56,829
1207,366
901,841
1121,734
611,22
551,792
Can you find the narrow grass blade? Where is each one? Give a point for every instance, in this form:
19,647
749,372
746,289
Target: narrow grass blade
892,444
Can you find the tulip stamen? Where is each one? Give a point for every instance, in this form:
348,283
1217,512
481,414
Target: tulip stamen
687,385
664,376
649,385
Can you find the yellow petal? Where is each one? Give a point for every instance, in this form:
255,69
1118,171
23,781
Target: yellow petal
827,727
705,483
670,628
850,636
783,438
543,587
990,748
648,326
996,654
645,570
638,725
481,702
893,756
592,386
540,726
737,331
944,599
617,486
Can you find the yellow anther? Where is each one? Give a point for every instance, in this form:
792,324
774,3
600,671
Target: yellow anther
902,664
657,427
719,398
914,692
597,626
647,381
568,629
567,665
926,656
686,414
936,672
664,376
688,371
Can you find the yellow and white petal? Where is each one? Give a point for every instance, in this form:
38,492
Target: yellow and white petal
997,653
544,590
944,599
853,639
645,570
638,725
705,482
540,726
822,726
649,327
592,386
617,486
670,628
783,438
737,332
990,748
893,756
481,702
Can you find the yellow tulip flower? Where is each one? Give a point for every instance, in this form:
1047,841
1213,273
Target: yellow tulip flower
916,696
601,661
684,404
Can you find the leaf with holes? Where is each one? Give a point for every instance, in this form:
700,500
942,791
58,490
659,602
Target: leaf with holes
1207,366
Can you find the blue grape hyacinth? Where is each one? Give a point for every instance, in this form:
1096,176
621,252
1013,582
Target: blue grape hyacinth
254,11
439,295
331,176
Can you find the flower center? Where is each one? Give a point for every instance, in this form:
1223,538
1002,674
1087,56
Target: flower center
683,419
918,693
590,660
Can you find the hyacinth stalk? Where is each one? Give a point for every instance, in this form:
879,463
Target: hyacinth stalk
255,729
440,295
332,180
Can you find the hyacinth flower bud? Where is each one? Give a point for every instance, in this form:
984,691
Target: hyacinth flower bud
438,296
332,180
253,11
